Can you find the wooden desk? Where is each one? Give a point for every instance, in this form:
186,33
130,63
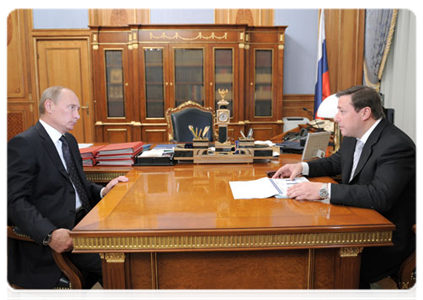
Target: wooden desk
179,227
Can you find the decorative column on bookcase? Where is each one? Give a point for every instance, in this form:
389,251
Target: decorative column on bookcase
279,82
134,61
243,37
113,265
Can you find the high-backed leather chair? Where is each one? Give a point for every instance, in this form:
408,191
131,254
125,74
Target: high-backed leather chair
408,276
72,279
189,113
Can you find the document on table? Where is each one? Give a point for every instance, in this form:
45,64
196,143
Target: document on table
263,188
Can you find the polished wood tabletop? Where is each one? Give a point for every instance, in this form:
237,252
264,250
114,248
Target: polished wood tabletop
195,201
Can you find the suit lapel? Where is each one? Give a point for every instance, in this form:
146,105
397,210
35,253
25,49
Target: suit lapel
367,149
51,149
348,147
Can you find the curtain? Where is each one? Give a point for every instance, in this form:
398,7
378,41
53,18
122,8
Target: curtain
399,79
379,29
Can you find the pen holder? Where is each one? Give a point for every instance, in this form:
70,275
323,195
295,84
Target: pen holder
200,143
245,143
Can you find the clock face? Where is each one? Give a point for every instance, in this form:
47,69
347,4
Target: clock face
223,117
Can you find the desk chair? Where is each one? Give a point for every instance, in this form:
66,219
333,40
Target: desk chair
72,278
408,276
188,113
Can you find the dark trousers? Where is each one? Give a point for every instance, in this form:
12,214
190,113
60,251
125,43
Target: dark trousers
88,263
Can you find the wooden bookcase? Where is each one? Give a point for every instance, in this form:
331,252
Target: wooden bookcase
142,70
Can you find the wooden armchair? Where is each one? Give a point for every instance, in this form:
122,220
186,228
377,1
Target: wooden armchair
406,277
189,113
73,291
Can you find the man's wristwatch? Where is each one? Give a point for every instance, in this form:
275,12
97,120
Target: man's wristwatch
324,192
47,239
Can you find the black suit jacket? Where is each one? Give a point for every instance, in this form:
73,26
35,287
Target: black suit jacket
384,180
41,198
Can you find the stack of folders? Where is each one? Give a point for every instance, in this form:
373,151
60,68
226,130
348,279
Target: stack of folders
89,154
121,154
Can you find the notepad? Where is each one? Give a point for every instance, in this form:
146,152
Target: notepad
263,188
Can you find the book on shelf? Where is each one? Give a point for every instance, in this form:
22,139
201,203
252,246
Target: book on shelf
121,148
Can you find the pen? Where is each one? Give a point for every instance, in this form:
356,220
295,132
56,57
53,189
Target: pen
242,133
250,133
206,129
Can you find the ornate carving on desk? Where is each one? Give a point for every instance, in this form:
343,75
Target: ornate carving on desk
113,257
305,240
350,252
103,177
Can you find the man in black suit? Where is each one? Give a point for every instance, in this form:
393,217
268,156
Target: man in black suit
378,167
48,193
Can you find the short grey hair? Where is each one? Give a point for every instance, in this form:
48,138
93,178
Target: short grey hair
51,93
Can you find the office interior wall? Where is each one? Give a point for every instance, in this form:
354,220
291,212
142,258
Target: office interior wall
60,18
399,78
300,49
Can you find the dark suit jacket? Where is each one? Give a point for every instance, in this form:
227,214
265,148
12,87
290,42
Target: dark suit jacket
41,198
384,180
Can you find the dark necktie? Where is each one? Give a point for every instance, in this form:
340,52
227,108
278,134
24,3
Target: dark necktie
74,175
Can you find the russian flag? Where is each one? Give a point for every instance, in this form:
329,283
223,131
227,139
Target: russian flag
322,89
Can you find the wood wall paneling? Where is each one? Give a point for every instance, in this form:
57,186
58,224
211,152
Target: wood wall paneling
251,17
345,47
20,110
293,105
118,17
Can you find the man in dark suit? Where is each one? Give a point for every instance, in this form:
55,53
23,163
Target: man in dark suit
48,193
378,167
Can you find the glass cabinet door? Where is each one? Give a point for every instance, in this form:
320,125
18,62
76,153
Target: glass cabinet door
224,75
189,75
263,74
154,82
114,84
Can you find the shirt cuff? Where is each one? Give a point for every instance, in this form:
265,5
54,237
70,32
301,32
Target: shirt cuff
101,193
305,172
305,169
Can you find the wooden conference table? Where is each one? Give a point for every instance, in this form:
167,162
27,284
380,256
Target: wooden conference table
178,227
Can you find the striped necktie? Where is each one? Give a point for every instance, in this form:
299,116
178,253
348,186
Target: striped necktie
74,175
357,153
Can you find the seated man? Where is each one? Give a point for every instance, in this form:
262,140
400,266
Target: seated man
377,162
48,193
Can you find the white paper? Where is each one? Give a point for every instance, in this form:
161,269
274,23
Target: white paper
82,145
263,188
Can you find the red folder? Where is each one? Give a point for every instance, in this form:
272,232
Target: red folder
121,148
90,151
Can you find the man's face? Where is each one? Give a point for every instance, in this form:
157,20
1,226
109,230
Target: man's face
349,121
64,113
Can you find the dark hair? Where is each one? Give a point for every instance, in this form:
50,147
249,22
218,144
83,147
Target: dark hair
364,96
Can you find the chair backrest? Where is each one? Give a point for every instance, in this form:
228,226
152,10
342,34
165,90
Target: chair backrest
74,280
189,113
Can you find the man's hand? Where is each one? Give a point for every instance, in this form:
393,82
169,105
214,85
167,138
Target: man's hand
289,170
61,240
113,182
305,191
